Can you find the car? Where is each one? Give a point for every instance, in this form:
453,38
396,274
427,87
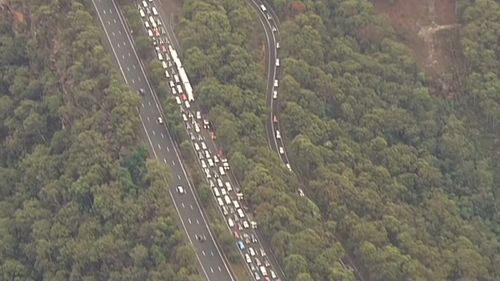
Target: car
141,12
269,17
216,159
245,224
251,251
196,146
266,262
282,151
180,189
230,222
171,83
276,83
216,192
275,119
221,203
254,238
267,278
277,45
226,166
206,124
239,224
301,192
278,135
252,267
178,100
207,154
277,62
184,117
237,235
200,155
221,171
257,276
225,211
203,164
141,91
146,24
241,245
262,252
203,145
223,191
228,186
275,94
210,162
248,259
155,12
219,183
288,166
144,4
198,115
274,29
257,262
211,183
160,121
273,275
263,8
150,33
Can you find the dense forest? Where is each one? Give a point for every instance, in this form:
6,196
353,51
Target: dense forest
78,198
400,181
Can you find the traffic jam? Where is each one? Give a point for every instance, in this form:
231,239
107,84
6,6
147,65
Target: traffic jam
214,165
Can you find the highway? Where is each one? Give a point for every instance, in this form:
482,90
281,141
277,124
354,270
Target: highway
208,254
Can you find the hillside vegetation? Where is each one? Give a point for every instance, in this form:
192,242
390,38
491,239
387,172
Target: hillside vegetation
78,199
406,182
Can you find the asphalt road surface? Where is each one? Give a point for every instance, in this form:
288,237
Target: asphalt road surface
211,260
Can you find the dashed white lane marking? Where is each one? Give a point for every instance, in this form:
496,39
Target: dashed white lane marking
139,78
165,160
189,220
124,43
162,136
168,149
113,33
203,253
133,81
197,221
109,23
149,102
128,68
133,66
178,177
154,133
129,54
123,56
211,269
182,204
119,32
220,269
212,253
159,146
148,118
118,44
104,11
191,206
110,11
114,20
142,104
173,163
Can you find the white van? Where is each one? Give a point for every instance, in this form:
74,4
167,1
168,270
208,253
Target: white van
178,100
227,200
179,89
228,186
204,146
276,83
263,8
210,162
219,183
230,222
277,62
160,56
155,12
251,251
141,11
165,66
197,129
240,213
186,103
221,171
263,270
236,204
223,192
196,146
144,4
216,192
221,203
152,21
150,33
176,78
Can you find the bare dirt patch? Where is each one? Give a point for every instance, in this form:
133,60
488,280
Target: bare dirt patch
430,29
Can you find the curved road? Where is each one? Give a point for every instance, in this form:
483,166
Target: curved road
210,258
